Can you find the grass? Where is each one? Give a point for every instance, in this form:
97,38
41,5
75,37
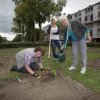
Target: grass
10,76
9,51
90,79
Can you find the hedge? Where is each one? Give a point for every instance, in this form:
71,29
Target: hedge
93,44
90,44
17,45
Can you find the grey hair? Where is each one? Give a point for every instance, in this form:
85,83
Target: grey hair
62,17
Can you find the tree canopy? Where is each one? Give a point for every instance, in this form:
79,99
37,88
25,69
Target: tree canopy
30,12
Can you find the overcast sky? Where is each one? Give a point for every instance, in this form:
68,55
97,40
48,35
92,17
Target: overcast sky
6,16
73,6
7,13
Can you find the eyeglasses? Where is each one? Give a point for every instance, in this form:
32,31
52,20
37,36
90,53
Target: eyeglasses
63,20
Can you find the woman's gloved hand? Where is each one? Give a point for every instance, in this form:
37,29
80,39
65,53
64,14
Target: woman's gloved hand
36,75
44,71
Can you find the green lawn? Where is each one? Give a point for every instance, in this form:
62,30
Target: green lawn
92,76
90,79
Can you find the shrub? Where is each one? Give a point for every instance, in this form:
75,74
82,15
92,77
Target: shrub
93,44
17,44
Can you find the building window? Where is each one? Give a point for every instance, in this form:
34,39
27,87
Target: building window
98,6
91,17
98,23
75,15
80,19
91,33
69,17
85,10
98,14
91,8
98,32
79,14
85,18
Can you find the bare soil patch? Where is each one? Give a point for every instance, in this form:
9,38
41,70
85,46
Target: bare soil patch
48,87
94,63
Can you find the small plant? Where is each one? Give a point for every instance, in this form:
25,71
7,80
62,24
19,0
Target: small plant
53,73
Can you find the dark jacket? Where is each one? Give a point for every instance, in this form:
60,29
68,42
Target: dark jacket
49,29
78,28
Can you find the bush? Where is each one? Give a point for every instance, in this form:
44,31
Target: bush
17,45
32,44
89,44
93,44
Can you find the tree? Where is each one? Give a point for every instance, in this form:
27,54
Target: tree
4,39
17,2
17,25
1,39
17,38
24,22
29,12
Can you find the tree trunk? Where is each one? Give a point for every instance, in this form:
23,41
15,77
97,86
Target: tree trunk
40,38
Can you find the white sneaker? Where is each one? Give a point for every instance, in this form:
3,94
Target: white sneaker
83,71
71,68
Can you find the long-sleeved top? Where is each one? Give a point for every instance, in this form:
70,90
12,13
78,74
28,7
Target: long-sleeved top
55,32
77,32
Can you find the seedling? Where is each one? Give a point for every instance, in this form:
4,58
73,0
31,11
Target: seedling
53,73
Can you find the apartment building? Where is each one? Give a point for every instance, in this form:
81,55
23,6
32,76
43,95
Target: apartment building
46,35
89,16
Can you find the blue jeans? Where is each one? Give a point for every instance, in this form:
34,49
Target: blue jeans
55,43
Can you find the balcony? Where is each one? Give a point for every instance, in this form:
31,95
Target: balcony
96,19
96,36
86,22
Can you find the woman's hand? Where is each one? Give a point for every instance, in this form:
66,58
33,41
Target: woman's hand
89,37
62,48
50,32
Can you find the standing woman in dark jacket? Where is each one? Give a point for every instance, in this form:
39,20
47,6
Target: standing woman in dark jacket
78,32
54,31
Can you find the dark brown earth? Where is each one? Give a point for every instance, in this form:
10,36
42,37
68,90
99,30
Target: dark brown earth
94,63
48,87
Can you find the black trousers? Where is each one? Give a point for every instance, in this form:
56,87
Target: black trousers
33,66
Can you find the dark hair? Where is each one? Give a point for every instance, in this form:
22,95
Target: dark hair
41,49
